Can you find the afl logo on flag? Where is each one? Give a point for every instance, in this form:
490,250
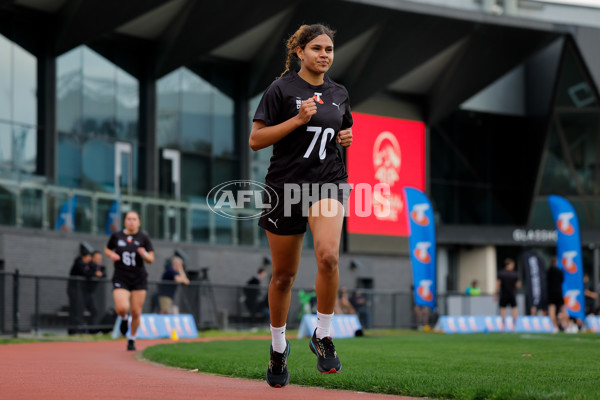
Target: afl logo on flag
563,223
418,214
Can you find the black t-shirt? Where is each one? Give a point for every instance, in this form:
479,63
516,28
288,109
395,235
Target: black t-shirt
126,246
554,279
508,283
309,154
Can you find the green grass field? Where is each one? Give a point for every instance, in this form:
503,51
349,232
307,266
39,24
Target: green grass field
473,366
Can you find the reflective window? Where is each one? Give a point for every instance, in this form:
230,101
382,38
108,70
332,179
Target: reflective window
99,95
6,147
127,103
222,123
196,119
96,106
18,110
24,87
69,91
7,207
200,227
68,160
260,158
571,160
5,79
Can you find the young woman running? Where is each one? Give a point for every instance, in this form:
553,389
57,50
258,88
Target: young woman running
129,249
304,115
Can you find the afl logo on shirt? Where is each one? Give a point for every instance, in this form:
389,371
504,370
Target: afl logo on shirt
121,243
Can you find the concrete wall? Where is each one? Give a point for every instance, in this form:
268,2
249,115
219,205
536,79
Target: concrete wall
49,253
477,263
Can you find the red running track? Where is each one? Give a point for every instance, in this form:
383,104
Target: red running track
105,370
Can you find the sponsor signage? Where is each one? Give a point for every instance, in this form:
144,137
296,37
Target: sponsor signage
387,155
422,246
568,254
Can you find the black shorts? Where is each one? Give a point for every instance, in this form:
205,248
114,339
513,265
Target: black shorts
130,280
558,301
506,301
290,215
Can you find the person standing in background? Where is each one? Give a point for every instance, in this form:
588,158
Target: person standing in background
555,279
174,273
97,271
506,288
75,288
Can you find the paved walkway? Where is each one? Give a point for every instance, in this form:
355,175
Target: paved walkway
104,370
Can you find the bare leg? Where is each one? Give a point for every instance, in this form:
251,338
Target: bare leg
325,221
503,316
515,313
122,300
137,303
552,313
285,255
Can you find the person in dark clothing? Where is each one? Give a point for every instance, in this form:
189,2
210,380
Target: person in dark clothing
590,294
506,287
97,271
174,273
252,291
75,290
555,279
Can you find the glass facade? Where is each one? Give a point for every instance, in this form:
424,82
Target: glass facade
571,162
196,119
96,106
18,111
490,168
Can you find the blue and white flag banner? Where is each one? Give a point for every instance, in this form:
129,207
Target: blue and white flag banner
422,246
592,323
490,324
113,219
156,326
65,220
342,326
568,255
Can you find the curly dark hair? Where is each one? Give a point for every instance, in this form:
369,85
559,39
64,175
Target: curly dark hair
301,37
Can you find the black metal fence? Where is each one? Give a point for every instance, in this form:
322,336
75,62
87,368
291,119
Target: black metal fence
50,304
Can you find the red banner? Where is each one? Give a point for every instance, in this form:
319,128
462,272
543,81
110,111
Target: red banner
385,153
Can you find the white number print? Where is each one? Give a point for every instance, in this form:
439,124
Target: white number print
129,258
328,134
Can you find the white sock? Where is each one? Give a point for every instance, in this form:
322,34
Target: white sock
323,325
278,338
132,338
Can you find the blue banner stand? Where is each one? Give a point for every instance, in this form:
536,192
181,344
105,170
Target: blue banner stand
156,326
493,323
342,326
592,323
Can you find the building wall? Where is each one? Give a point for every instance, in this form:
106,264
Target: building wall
47,253
477,263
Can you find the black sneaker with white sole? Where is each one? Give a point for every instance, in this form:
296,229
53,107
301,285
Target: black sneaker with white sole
277,373
131,345
327,360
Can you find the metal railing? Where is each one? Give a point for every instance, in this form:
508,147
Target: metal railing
51,304
34,204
